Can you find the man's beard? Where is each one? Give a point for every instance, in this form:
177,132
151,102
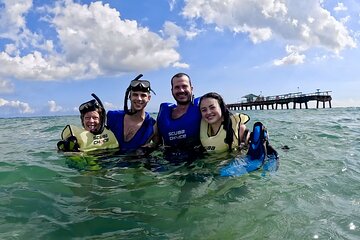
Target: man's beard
183,102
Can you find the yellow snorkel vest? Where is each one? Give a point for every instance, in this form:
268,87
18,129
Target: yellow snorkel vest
216,144
87,141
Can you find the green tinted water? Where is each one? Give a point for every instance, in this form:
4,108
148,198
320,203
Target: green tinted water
314,194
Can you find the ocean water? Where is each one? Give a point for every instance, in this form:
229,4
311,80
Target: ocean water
315,194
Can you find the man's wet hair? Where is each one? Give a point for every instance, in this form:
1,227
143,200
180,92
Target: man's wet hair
180,75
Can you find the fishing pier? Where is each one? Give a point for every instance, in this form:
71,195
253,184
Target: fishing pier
273,102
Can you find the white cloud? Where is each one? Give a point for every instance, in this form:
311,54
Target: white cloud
174,31
303,22
53,107
345,19
94,35
244,16
109,105
93,40
340,7
172,4
292,59
6,86
257,35
11,49
351,102
21,107
13,26
36,66
181,65
294,56
13,19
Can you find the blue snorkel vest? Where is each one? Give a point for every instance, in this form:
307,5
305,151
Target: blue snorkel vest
183,132
115,122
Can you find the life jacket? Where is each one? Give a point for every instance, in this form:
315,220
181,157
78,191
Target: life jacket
78,139
183,132
115,122
217,143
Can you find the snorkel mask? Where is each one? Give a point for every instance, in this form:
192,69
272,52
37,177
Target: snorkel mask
94,105
136,85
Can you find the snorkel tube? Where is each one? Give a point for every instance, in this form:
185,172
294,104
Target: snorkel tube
103,115
126,109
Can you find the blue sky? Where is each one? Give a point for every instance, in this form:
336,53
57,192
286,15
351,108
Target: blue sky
54,54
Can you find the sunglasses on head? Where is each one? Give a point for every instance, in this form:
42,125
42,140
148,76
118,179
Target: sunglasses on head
89,106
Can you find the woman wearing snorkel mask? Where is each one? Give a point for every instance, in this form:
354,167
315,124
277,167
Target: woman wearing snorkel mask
134,128
91,116
94,135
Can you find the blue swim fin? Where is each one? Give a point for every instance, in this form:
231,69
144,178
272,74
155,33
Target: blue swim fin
260,154
258,142
240,166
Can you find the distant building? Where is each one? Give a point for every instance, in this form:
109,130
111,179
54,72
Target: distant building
250,97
